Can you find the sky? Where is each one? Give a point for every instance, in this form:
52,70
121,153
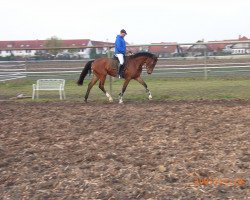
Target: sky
145,21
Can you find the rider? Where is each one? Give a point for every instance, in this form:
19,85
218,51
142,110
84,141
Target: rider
120,50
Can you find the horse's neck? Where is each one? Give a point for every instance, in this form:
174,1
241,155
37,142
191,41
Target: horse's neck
140,59
136,63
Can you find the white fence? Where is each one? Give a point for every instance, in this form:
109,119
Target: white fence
10,71
17,70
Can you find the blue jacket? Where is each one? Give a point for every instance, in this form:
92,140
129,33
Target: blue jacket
120,45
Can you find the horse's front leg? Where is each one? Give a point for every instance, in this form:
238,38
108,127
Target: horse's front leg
141,81
125,84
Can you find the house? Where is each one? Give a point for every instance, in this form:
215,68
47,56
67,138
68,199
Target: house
238,48
29,48
241,48
218,48
164,49
199,49
28,44
100,50
135,49
82,52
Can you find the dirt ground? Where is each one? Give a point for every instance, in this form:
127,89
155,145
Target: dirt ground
139,150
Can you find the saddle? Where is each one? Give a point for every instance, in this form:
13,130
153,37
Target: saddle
115,64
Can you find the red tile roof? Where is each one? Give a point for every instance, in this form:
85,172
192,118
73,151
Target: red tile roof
40,43
100,43
70,43
169,48
222,46
22,44
216,47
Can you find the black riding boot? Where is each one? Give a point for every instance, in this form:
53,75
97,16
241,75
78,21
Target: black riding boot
120,71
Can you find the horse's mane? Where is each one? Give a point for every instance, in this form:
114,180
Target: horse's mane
147,54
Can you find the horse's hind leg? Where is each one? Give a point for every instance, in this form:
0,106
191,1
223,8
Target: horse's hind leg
141,81
101,86
91,84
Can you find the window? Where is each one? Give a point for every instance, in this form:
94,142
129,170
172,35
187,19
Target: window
28,51
21,45
0,52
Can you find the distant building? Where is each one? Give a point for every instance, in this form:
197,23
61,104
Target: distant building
29,48
220,48
199,49
241,48
33,48
165,49
238,48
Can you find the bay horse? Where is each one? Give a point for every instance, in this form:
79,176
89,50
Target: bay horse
102,67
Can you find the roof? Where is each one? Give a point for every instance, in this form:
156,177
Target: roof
40,43
217,47
100,43
169,48
79,42
22,44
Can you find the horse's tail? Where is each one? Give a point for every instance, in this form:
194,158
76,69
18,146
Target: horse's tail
85,71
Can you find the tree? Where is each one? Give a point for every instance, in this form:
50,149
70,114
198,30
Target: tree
52,42
93,53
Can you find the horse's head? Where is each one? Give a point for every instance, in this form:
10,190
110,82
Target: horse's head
146,59
150,64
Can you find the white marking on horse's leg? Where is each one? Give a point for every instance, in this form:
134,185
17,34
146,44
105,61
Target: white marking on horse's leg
109,97
120,98
150,95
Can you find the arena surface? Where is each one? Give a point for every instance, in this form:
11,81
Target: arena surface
139,150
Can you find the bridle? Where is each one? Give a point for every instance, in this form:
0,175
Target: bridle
149,66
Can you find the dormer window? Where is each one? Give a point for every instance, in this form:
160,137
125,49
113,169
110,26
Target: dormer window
9,45
27,45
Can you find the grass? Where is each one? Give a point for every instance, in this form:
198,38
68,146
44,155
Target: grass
161,88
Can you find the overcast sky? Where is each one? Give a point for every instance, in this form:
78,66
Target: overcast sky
145,21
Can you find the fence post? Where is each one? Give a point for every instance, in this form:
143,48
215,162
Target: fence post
110,78
205,63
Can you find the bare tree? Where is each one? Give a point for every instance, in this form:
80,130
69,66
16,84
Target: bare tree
53,42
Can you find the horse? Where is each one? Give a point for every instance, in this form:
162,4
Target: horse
102,67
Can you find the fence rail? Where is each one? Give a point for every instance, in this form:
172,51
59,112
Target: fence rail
161,70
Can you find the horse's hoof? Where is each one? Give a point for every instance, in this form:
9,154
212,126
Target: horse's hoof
150,97
120,101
